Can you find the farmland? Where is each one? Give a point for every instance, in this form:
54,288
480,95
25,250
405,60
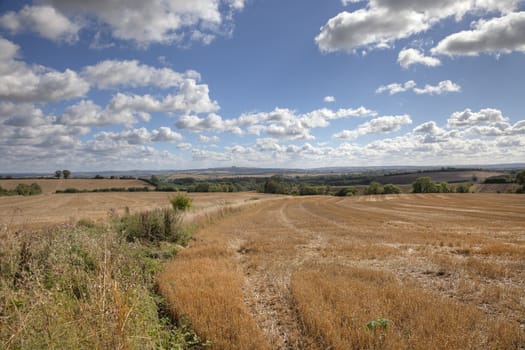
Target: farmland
38,211
52,185
443,271
440,271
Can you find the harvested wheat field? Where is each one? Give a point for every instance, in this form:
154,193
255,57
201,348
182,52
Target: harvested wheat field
375,272
42,210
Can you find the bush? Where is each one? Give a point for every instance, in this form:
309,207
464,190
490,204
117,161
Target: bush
347,191
374,188
28,190
391,189
181,202
153,226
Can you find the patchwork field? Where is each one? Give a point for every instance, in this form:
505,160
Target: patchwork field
38,211
386,272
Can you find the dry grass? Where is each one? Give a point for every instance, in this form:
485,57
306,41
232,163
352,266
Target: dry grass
336,304
43,210
52,185
446,270
207,290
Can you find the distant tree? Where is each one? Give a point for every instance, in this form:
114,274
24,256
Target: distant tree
391,189
66,173
424,184
58,174
520,177
374,188
346,191
444,187
463,188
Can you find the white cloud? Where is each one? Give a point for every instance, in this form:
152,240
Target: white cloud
112,73
156,21
380,125
185,146
382,22
44,20
280,123
125,109
441,88
205,139
329,99
409,57
22,114
396,88
429,128
498,35
470,118
140,136
20,82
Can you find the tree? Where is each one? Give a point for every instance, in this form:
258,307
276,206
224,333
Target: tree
374,188
520,177
391,189
424,184
58,174
66,173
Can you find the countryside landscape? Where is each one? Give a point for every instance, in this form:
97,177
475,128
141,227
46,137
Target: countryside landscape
262,174
139,263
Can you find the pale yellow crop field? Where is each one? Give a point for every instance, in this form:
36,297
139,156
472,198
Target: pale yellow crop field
41,210
434,271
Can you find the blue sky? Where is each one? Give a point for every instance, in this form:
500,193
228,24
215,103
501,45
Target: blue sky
174,84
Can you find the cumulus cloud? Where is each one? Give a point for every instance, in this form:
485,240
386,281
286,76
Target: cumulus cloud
44,20
329,99
112,73
156,21
279,123
205,139
129,108
470,118
409,57
140,136
382,22
380,125
20,82
498,35
441,88
396,88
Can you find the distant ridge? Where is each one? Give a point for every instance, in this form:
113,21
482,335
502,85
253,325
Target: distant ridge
234,170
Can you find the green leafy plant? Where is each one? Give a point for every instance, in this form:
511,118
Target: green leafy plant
378,323
181,202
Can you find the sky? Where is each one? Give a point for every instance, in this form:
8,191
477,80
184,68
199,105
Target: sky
176,84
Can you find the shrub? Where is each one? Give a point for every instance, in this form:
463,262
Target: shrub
374,188
28,190
347,191
391,189
181,202
153,226
424,185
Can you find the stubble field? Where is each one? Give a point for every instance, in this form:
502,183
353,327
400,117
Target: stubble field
375,272
48,209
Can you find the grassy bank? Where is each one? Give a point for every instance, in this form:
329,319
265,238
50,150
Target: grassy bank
88,286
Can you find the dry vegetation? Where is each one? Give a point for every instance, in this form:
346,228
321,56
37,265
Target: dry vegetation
42,210
440,271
